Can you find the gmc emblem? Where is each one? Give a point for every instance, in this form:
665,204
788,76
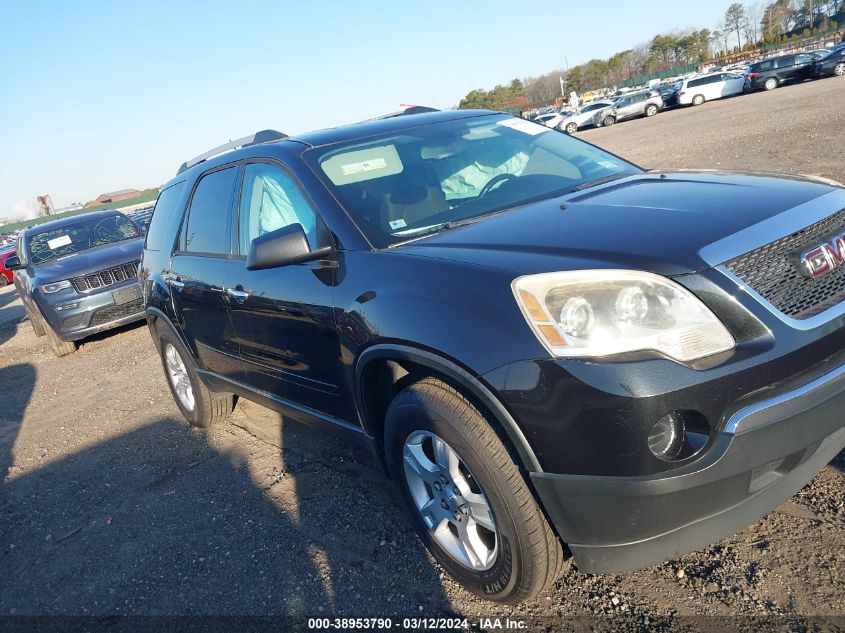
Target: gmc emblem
823,258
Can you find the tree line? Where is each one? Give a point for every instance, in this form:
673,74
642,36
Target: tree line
742,27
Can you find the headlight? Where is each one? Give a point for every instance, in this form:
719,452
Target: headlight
604,312
49,289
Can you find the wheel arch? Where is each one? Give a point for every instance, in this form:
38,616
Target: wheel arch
382,370
157,319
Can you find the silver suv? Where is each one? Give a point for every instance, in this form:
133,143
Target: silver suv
635,104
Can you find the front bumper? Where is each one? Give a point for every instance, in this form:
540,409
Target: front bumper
766,453
119,304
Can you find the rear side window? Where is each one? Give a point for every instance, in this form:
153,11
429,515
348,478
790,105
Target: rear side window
694,82
164,217
207,228
785,62
766,65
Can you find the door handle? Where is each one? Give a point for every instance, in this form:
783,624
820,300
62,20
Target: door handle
237,295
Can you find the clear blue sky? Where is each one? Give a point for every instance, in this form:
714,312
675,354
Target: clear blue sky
99,96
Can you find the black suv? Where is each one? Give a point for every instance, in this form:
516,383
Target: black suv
78,276
540,341
771,73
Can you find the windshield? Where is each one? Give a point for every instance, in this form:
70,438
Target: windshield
70,239
405,184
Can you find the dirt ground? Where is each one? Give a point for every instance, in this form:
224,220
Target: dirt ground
111,505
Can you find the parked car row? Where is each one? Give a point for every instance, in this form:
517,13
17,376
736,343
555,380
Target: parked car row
717,83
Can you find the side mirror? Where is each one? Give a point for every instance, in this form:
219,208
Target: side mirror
13,262
282,247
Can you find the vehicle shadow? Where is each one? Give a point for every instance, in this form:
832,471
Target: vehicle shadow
15,401
158,521
365,540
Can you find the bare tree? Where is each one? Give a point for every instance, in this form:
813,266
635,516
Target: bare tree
753,18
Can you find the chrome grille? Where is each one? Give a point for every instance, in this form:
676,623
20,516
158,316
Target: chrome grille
107,277
770,270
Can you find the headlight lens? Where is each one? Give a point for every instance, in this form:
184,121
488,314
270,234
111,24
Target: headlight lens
49,289
604,312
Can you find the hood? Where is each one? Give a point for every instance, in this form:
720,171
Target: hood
89,261
652,221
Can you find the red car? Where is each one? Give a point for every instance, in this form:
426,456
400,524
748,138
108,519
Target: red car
5,273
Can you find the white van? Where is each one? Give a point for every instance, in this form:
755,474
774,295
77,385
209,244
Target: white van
696,90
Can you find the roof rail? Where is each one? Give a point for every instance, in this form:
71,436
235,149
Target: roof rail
263,136
406,111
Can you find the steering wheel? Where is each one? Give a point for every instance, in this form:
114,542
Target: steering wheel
103,234
494,182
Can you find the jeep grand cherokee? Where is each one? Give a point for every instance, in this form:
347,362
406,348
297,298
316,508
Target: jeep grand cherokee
78,276
541,342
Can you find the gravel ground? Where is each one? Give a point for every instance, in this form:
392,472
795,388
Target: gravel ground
112,505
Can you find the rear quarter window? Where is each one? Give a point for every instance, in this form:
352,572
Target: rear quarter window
166,217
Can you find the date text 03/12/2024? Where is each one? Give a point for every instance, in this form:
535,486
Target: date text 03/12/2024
415,623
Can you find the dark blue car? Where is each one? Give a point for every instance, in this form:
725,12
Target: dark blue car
79,275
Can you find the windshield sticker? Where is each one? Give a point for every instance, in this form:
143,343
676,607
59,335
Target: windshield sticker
58,242
364,165
398,224
521,125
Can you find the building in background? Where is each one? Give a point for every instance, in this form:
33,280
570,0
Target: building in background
115,196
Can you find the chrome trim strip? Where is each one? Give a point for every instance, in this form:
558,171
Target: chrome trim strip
789,404
773,228
799,324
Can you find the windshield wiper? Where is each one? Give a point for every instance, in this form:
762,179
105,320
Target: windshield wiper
599,181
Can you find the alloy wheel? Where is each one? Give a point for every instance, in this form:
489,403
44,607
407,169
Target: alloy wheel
177,373
839,69
450,502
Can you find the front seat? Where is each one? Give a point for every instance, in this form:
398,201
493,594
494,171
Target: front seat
419,198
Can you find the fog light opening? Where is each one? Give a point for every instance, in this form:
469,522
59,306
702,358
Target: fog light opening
666,438
679,435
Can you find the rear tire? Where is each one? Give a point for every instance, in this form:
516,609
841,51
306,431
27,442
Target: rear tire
60,348
651,110
839,69
200,406
511,553
697,100
3,281
608,121
771,83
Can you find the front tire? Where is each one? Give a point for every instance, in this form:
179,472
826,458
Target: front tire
571,128
467,498
608,121
200,406
38,325
60,348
